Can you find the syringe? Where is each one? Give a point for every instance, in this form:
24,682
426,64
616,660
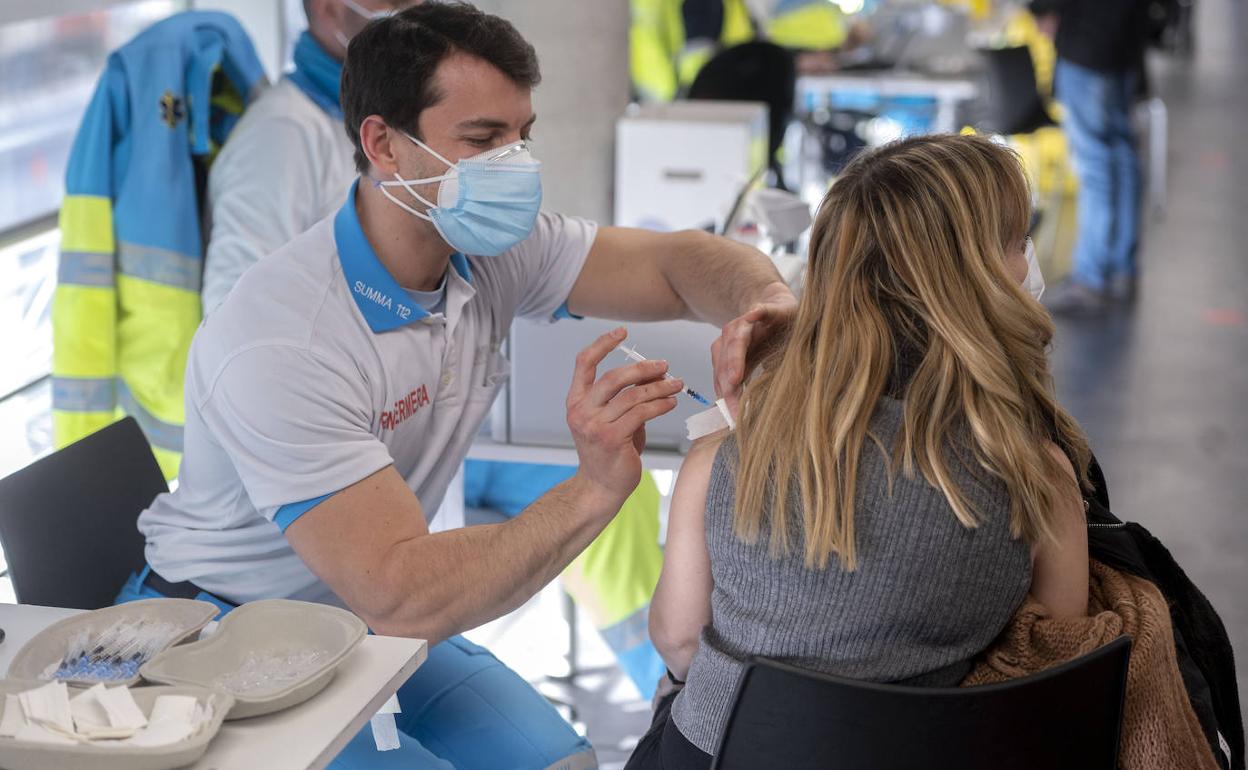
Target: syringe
634,355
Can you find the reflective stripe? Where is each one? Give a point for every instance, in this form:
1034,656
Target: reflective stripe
161,266
164,435
87,223
85,268
72,394
629,632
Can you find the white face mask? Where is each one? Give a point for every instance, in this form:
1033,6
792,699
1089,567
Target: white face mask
1034,282
363,13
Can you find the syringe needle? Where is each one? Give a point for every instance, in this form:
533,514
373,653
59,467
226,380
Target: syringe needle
635,356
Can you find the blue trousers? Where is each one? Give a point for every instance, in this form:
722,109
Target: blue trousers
461,710
1098,127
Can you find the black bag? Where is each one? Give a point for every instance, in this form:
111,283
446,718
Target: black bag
1202,646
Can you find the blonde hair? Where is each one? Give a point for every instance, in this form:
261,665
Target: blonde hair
908,260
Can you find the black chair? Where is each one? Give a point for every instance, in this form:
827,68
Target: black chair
67,521
753,72
1014,104
1068,717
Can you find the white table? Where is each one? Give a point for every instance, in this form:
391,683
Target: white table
947,90
306,736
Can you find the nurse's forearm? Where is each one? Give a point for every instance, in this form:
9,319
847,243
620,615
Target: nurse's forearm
445,583
719,279
639,275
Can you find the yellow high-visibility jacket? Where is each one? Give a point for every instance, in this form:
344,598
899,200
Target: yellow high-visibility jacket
663,60
127,297
809,25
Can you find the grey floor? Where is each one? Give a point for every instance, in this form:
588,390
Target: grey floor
1162,390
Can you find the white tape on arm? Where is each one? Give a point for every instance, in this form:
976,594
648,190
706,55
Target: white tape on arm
710,421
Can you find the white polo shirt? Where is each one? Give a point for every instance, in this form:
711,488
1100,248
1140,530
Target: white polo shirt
319,370
287,165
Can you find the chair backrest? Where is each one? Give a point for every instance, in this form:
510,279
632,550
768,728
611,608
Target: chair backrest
752,72
1068,717
1013,104
68,521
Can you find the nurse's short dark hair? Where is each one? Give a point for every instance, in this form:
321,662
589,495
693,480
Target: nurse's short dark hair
391,63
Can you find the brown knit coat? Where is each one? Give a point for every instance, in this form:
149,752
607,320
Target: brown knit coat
1160,731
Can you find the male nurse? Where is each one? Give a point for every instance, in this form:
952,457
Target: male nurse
333,394
287,165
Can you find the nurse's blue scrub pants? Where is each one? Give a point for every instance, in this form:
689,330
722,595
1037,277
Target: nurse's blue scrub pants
461,710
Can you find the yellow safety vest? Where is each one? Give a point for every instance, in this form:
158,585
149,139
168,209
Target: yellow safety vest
127,298
660,58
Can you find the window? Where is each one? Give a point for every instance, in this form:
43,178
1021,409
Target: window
48,71
28,271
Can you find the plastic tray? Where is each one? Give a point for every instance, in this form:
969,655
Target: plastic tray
271,626
49,645
25,755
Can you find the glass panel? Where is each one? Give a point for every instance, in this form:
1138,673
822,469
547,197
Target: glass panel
48,70
27,280
25,427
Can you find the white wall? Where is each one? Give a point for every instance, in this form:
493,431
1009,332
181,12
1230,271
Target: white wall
583,49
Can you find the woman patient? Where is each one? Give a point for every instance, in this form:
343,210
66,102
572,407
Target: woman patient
899,478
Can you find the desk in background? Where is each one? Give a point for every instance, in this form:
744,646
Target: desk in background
949,91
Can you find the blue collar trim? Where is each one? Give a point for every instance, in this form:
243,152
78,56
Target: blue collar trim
318,75
460,263
384,304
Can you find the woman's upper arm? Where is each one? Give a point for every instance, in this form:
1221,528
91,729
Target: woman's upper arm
1059,577
682,600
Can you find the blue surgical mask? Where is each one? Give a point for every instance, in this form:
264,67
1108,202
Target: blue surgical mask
486,204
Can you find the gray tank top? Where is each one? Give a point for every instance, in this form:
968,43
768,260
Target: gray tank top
927,596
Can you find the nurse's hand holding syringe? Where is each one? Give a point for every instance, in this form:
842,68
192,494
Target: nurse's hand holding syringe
607,416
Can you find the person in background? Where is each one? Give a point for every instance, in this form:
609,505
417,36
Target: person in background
671,40
901,476
1100,63
287,164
